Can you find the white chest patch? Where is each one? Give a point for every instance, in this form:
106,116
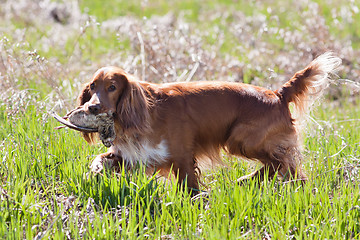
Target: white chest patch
134,152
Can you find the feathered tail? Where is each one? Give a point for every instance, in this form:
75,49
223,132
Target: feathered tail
308,84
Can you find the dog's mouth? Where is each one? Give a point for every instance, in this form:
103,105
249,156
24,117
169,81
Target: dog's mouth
80,120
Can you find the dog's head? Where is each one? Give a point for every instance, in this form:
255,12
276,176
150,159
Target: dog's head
113,91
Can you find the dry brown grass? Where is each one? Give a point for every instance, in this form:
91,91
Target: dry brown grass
162,48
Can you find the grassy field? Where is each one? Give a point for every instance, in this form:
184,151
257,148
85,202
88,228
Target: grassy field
47,55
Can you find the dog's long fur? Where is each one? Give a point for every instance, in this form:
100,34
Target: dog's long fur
176,125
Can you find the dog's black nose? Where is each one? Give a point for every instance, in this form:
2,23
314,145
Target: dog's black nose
94,108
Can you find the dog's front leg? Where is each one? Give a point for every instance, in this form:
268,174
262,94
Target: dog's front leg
106,161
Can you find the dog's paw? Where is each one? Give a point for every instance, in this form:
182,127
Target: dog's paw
97,166
102,163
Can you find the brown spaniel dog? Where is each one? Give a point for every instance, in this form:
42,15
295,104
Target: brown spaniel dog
175,126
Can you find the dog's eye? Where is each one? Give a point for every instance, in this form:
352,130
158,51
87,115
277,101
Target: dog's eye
92,86
111,88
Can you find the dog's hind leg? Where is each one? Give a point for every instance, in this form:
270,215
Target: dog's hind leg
292,168
284,160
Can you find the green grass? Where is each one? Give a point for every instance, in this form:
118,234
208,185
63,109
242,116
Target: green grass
45,189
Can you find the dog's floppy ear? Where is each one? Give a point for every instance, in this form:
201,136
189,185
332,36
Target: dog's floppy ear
133,108
84,97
